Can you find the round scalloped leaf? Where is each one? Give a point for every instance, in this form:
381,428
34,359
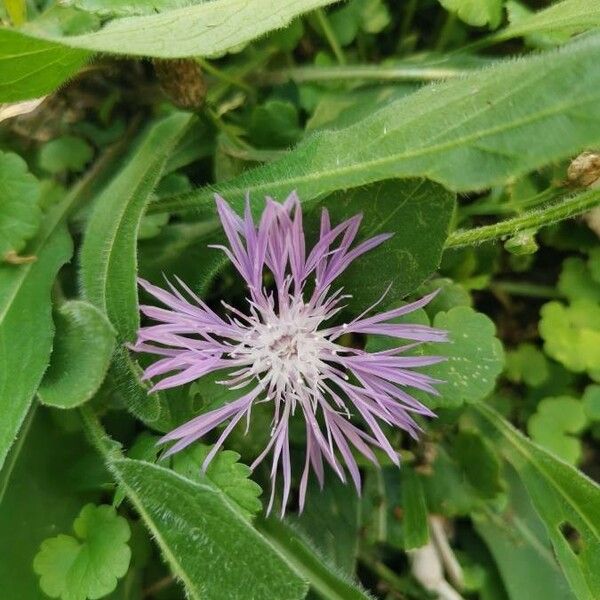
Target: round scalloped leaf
19,211
591,402
555,425
229,475
88,565
67,153
474,356
527,364
572,334
576,280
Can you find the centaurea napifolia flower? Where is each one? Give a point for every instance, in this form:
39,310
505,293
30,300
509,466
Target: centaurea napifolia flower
284,348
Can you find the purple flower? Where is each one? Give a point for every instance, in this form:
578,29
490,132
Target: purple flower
285,350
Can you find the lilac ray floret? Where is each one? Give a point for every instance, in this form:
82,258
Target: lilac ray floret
284,349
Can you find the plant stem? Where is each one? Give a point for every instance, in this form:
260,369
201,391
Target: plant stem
223,76
524,288
393,582
565,209
108,448
408,72
330,35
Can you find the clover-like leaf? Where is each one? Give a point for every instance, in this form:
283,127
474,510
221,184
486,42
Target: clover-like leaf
591,402
19,211
67,153
476,12
474,356
576,280
555,425
229,475
88,565
527,364
572,334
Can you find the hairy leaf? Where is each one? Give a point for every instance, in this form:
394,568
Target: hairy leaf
204,29
88,565
465,134
27,342
192,521
80,357
19,211
566,500
570,16
31,67
108,255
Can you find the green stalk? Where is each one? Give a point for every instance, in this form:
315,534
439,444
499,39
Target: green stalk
570,207
330,35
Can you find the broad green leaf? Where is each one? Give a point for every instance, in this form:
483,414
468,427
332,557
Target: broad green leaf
565,499
521,548
571,16
229,475
83,346
572,334
32,68
307,562
88,565
122,8
576,281
465,134
414,518
331,521
42,497
108,254
555,426
476,12
275,124
66,153
207,542
591,402
527,364
479,462
27,342
205,29
19,210
416,212
474,356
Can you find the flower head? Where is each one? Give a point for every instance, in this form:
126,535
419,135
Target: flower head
284,348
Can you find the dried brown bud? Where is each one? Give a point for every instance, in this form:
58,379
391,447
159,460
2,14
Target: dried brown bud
182,81
585,170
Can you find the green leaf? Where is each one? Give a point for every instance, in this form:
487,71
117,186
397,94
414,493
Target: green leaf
331,521
122,8
108,254
576,281
572,334
83,346
527,364
25,290
205,29
565,499
591,402
414,519
569,16
464,133
42,496
476,12
89,565
521,548
19,210
474,356
32,68
417,212
192,521
275,124
556,423
307,562
224,471
479,462
66,153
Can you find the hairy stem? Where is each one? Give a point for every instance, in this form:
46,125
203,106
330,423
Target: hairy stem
565,209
